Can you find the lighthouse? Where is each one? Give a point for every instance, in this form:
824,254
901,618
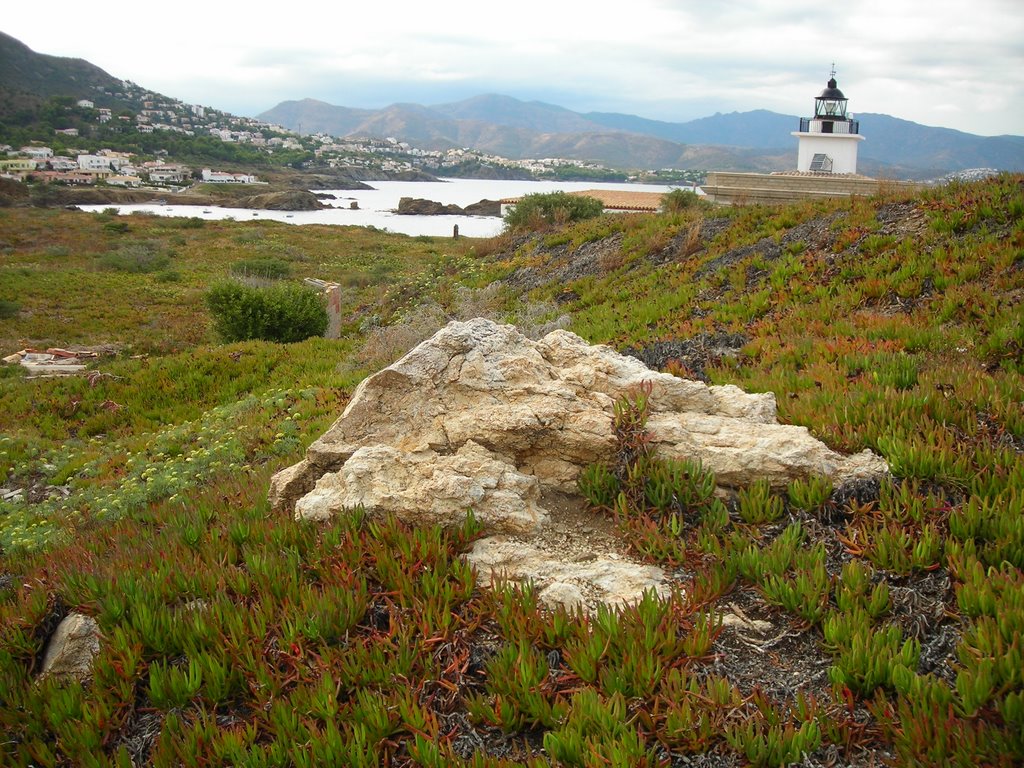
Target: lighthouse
828,141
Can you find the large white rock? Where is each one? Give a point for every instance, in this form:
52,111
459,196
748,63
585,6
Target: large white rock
429,488
481,417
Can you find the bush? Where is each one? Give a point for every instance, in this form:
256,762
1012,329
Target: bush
8,309
285,312
538,210
143,256
679,200
264,267
117,227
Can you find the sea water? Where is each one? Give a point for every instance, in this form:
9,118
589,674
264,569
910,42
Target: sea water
376,207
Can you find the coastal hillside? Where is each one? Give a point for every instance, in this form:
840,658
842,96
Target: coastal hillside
756,140
28,79
809,622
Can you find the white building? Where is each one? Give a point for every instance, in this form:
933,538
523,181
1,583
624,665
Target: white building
222,177
124,181
61,163
828,141
167,174
93,163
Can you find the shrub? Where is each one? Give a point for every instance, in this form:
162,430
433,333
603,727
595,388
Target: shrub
265,267
538,210
284,313
8,309
143,256
678,200
117,227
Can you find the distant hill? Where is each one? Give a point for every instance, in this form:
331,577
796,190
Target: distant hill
27,78
758,140
892,140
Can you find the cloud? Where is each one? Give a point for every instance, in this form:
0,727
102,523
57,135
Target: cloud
658,58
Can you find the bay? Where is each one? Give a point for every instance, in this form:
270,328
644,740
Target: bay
376,207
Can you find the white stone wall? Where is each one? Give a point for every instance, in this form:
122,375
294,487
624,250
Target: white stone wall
841,147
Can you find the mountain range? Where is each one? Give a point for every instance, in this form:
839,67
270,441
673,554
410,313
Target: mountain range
757,140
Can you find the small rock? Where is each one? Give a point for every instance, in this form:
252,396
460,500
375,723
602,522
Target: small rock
606,577
72,648
562,594
756,625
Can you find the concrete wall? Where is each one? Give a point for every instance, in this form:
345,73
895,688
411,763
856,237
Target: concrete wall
749,188
841,147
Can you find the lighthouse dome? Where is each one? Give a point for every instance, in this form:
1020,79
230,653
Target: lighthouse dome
831,92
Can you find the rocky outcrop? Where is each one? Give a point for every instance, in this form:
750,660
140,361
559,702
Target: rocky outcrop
417,206
437,486
484,208
481,417
71,650
291,200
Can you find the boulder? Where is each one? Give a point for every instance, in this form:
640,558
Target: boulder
416,206
291,200
71,650
484,208
479,416
388,480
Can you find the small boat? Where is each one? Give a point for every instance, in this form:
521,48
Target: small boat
207,210
289,216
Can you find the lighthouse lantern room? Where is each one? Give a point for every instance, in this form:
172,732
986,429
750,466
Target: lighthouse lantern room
828,141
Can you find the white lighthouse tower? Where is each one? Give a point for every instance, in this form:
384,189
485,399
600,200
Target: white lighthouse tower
828,141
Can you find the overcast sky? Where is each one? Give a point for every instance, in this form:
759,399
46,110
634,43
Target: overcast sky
939,62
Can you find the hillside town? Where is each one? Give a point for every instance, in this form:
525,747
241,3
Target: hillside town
117,169
71,161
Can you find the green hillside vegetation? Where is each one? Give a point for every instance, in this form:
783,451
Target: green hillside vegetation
37,124
890,323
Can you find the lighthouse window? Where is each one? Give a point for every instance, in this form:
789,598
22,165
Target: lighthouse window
821,162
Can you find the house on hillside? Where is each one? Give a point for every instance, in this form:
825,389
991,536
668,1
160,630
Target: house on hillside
168,174
222,177
125,181
17,167
96,174
93,162
61,163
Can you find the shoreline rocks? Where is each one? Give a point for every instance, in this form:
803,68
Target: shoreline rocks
417,206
